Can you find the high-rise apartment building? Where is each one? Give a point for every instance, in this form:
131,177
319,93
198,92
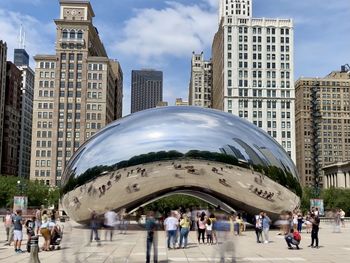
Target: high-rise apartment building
322,123
253,70
146,89
75,92
3,58
12,120
201,81
21,60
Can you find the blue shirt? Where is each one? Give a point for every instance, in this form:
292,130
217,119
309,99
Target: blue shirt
266,222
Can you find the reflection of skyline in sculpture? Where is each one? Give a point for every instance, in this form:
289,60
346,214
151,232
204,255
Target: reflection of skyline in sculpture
253,157
228,146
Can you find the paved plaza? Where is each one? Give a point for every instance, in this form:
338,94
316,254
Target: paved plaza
131,248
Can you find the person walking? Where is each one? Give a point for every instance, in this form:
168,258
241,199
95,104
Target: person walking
8,226
18,231
315,220
185,225
171,224
266,222
258,228
151,228
342,217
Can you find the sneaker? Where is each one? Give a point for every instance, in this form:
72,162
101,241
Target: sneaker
16,250
290,248
20,251
316,247
266,242
310,246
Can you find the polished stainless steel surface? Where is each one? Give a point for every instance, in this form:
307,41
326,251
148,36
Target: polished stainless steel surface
179,133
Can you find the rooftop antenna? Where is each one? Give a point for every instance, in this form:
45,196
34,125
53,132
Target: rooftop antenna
21,38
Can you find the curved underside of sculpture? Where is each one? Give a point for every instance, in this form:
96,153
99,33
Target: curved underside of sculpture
157,152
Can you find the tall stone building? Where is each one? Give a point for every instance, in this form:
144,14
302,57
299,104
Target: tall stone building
201,81
76,92
253,70
12,120
181,102
3,58
21,60
146,89
322,124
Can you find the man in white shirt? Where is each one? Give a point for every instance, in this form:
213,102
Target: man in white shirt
110,222
170,224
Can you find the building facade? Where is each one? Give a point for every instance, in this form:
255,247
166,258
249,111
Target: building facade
3,58
200,87
12,120
322,124
253,70
146,89
336,175
75,92
21,57
181,102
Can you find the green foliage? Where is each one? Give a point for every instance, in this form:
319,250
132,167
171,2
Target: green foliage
38,194
166,204
332,198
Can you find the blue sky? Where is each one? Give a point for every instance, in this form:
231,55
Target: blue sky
162,34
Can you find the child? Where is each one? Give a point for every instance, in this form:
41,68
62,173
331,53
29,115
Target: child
209,230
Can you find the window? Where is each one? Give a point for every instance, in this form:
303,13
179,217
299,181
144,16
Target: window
72,34
80,34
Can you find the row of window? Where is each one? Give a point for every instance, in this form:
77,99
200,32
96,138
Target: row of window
72,34
71,56
258,30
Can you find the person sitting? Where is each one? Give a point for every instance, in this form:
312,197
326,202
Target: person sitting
293,238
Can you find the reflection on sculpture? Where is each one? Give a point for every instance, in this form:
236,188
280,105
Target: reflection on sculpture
154,152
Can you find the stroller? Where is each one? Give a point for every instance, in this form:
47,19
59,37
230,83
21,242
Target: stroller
30,225
56,237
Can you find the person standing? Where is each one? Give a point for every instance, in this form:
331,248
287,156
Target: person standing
18,231
37,220
170,224
315,220
8,226
266,222
300,222
185,224
110,220
201,227
151,228
123,221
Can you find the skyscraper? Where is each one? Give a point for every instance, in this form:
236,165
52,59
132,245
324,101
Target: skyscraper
76,92
21,57
3,58
253,70
146,89
12,120
21,60
322,123
201,81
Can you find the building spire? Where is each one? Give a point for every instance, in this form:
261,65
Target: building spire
21,38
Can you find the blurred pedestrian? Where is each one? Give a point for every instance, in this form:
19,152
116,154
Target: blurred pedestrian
123,219
94,224
110,222
342,217
8,226
258,228
152,239
266,222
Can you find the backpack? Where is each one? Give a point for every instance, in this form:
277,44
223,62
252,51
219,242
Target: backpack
296,236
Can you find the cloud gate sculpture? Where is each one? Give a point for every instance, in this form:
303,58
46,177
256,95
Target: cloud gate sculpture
202,152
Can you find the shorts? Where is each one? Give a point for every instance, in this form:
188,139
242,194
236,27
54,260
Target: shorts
17,235
45,232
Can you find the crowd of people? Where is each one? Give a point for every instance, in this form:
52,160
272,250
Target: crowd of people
42,222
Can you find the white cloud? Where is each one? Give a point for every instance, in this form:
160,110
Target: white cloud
39,36
175,30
